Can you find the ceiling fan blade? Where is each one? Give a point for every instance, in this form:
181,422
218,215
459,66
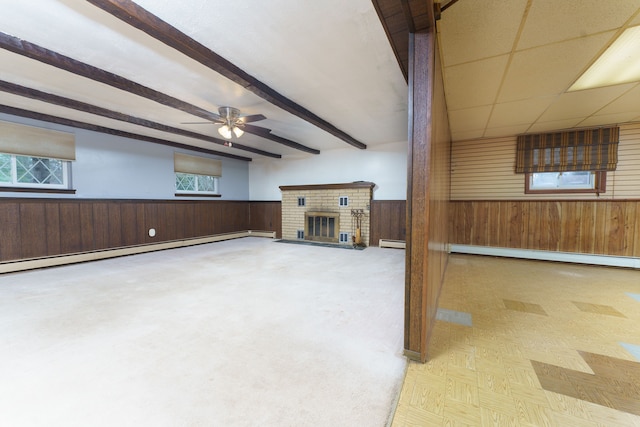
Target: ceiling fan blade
212,122
252,118
256,130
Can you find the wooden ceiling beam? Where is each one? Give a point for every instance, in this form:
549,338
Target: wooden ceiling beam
401,17
101,129
103,112
49,57
143,20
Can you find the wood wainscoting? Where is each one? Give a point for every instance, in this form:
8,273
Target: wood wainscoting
388,220
266,215
32,228
603,227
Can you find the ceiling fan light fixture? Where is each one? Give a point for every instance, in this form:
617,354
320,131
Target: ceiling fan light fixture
237,131
225,131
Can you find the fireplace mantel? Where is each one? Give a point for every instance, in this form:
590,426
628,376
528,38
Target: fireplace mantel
344,186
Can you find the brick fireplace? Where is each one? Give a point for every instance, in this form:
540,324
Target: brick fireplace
329,213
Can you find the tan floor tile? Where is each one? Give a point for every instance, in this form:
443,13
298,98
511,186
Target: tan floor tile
461,414
486,372
567,405
419,418
494,381
562,419
428,398
609,417
462,391
497,419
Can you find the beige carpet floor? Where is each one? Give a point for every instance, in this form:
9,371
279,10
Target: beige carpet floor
247,332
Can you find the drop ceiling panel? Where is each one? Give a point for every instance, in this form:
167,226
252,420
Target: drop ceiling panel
477,82
472,30
551,21
630,101
492,132
549,69
609,119
582,103
553,125
471,119
518,112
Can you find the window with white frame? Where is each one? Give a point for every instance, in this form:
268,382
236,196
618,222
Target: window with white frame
197,175
33,172
343,201
35,158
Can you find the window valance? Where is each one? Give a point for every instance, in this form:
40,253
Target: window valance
185,163
25,140
579,150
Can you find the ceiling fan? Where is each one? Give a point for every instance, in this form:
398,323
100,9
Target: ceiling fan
234,124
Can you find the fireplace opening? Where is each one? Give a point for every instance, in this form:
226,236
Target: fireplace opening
322,226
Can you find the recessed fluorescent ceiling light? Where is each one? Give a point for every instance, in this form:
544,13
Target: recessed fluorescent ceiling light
620,63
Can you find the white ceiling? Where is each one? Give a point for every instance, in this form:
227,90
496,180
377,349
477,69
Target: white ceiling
508,65
332,57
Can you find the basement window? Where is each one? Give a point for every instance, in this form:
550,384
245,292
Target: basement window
190,183
301,234
344,237
565,182
34,172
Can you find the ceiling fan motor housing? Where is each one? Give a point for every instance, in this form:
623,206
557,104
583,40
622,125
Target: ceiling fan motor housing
230,114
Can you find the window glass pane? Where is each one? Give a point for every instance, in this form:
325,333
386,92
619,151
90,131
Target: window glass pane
582,179
544,180
562,180
185,182
193,183
5,168
36,170
206,183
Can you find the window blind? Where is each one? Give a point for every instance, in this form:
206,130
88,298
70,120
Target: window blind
185,163
37,142
579,150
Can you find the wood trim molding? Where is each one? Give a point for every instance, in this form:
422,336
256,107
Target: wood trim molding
95,128
357,184
150,24
37,190
197,195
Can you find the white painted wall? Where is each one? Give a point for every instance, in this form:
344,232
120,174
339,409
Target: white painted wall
385,165
111,167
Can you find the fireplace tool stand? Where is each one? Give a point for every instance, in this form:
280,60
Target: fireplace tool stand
356,225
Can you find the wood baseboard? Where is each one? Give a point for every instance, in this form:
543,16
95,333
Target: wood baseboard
30,264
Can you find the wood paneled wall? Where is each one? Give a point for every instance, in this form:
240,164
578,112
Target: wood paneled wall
606,227
427,194
266,216
388,220
33,228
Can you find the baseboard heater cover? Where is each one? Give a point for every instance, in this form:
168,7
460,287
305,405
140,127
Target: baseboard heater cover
54,261
606,260
388,243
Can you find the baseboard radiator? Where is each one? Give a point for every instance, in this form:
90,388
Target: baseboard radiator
388,243
606,260
53,261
